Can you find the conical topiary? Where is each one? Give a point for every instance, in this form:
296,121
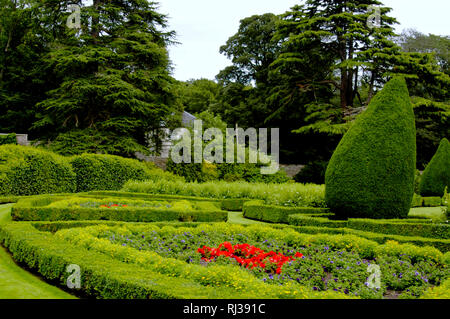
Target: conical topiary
437,174
371,173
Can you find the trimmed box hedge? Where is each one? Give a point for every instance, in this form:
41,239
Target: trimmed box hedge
35,209
395,227
106,277
277,214
106,172
30,171
442,244
432,201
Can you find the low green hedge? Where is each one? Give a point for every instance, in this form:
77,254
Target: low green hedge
30,171
277,214
417,201
36,209
234,204
442,244
144,196
110,172
396,227
432,201
106,277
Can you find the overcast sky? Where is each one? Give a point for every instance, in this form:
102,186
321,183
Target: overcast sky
202,26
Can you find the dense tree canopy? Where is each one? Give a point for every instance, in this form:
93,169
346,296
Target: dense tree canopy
107,88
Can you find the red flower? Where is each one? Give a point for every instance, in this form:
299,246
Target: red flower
248,256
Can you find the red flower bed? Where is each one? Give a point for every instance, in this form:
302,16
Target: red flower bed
248,256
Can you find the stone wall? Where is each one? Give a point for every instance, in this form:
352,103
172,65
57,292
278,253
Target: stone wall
22,139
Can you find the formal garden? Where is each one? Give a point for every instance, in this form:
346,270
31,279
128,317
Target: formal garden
342,192
136,231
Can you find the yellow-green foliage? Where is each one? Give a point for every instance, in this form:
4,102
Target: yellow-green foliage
291,194
110,271
29,171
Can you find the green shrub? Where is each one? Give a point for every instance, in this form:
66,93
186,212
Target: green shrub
442,244
230,172
234,205
417,201
313,172
414,227
109,172
288,194
27,170
8,139
437,173
371,173
59,208
105,275
417,179
432,201
277,214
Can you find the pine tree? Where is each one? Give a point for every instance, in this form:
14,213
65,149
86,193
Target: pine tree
113,75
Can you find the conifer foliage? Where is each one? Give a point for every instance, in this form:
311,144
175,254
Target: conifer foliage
112,75
437,174
371,173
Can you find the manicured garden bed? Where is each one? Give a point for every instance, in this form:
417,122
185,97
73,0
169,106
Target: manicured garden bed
52,208
163,260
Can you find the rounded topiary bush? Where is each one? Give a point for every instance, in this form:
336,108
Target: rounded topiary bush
27,170
437,174
371,173
106,172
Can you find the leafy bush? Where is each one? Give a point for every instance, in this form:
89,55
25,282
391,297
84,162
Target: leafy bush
277,214
432,201
371,173
230,172
437,173
413,227
442,244
8,139
289,194
30,171
132,278
313,172
109,172
57,208
417,201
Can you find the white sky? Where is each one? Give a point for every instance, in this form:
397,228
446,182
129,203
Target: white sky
202,26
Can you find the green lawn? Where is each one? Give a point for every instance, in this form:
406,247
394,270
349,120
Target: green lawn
238,218
17,283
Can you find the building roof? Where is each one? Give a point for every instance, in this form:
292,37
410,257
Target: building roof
187,119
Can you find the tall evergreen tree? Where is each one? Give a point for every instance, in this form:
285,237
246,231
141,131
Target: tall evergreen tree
113,75
22,79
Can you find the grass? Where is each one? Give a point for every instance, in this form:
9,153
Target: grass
17,283
434,213
238,218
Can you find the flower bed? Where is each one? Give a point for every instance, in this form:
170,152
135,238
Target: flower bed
329,263
53,208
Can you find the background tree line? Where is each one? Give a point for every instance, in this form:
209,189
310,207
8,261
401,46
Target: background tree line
309,71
